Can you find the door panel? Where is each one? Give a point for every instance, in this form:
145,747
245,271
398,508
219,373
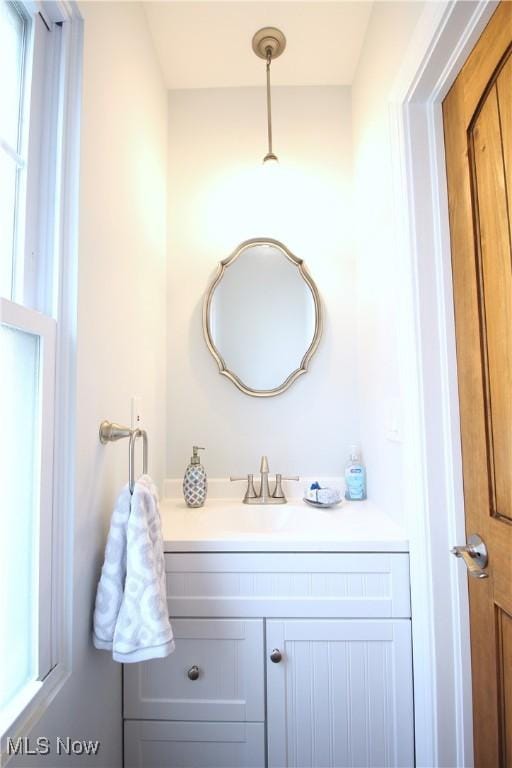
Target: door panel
494,296
504,87
504,633
341,695
477,116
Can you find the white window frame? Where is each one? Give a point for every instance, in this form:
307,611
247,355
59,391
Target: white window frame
48,310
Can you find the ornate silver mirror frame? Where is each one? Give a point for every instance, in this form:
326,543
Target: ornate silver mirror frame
207,323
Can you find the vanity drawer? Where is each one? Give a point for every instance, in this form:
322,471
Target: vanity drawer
228,655
150,744
284,585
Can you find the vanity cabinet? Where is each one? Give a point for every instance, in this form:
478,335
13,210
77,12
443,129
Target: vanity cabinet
337,693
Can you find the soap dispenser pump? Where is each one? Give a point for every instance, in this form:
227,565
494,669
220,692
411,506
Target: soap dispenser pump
195,484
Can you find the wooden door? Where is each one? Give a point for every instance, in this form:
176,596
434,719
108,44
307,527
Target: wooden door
478,140
340,695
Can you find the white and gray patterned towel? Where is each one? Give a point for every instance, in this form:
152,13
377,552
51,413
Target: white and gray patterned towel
130,615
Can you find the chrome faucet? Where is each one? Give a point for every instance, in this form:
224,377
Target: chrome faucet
263,495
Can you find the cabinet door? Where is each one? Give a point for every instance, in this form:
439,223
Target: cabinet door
150,744
215,673
341,696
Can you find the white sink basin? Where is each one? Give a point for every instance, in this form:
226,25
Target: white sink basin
227,525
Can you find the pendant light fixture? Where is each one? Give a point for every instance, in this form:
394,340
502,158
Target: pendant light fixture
269,43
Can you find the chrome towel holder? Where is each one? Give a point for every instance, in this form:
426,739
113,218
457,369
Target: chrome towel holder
110,432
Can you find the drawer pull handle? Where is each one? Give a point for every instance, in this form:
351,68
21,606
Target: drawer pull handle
276,656
193,672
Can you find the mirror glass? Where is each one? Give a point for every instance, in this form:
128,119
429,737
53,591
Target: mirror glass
262,317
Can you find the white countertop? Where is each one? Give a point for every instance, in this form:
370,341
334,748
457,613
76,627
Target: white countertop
228,525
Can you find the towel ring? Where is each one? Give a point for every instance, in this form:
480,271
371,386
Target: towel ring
131,449
110,432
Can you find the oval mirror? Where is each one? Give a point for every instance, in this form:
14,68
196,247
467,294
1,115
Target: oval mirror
262,318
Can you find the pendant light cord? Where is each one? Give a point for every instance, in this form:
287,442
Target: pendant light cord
269,103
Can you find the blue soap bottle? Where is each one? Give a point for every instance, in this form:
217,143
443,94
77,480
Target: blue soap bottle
355,476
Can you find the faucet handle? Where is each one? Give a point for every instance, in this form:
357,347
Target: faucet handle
295,479
278,490
250,493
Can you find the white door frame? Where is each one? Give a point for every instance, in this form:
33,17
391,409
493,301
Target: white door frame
442,41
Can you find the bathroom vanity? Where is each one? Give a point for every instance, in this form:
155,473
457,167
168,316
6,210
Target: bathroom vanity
293,642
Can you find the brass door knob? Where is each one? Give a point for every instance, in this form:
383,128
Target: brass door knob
193,672
276,656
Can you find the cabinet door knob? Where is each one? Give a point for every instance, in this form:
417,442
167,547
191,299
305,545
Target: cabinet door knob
276,656
193,672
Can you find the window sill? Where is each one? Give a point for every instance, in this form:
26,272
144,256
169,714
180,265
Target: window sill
18,719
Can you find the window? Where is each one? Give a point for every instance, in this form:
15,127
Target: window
13,52
38,120
27,357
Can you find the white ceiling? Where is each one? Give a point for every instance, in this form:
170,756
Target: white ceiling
208,44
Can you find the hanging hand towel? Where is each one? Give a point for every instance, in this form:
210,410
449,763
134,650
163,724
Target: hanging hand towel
131,616
109,595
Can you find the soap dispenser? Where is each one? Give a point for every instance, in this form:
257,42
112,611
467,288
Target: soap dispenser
355,476
195,484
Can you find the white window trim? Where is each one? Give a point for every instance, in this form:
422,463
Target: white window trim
35,698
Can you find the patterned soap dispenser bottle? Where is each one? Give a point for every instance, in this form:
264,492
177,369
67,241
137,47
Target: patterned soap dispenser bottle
195,484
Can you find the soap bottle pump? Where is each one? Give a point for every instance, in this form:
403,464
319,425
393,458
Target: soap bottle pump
195,484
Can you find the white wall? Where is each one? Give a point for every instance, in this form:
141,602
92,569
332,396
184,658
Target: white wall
121,334
218,197
378,276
